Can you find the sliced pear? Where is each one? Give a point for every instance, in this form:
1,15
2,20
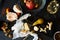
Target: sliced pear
39,21
26,27
17,9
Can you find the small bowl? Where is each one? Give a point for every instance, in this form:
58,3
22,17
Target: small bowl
57,35
41,5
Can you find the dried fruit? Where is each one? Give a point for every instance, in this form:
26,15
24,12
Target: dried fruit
30,5
26,27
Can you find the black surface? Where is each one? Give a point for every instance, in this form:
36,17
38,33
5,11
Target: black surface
3,37
42,13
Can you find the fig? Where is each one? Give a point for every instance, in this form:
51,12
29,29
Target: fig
30,5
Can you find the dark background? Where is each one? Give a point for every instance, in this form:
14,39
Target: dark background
42,13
